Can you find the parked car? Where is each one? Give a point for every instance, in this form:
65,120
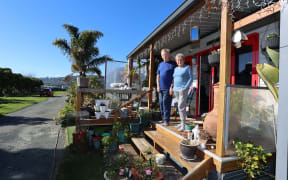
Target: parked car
46,92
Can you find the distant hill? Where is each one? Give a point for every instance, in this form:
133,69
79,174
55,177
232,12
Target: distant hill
58,81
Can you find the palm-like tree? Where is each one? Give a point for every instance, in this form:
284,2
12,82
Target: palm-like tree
82,50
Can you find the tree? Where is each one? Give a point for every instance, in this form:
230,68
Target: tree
82,50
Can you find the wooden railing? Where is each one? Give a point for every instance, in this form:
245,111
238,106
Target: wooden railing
115,112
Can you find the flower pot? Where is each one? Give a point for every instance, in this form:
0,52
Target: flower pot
121,137
160,159
97,115
82,82
102,109
106,114
213,58
123,113
273,43
156,116
96,143
188,152
134,127
189,126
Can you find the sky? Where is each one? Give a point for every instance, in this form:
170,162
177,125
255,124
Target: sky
28,28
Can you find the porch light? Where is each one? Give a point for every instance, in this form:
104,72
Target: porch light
238,37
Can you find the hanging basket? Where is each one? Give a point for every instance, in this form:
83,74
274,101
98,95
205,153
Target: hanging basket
213,58
273,43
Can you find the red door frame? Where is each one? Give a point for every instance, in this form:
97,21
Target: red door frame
253,39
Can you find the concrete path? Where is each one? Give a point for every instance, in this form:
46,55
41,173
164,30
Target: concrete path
27,141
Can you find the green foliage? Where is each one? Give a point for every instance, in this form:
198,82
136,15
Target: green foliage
215,52
82,50
12,84
270,74
253,158
121,126
141,165
272,35
115,163
66,115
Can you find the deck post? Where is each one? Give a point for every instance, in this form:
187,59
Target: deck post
130,68
78,107
225,69
151,74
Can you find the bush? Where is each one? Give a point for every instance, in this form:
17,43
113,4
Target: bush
67,116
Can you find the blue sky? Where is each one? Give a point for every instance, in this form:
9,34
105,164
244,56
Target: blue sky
29,27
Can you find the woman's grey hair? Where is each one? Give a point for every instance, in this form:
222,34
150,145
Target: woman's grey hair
180,55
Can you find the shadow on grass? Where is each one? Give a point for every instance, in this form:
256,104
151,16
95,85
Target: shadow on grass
17,120
32,164
77,165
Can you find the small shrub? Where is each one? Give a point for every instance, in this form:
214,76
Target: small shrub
253,158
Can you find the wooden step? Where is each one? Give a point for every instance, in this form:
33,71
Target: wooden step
143,146
173,148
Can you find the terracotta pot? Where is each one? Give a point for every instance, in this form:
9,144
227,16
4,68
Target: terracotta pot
210,122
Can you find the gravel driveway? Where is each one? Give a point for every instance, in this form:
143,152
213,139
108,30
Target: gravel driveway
27,141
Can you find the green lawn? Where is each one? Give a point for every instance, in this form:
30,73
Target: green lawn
77,165
58,93
12,104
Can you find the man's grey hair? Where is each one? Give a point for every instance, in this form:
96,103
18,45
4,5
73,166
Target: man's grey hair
180,55
165,50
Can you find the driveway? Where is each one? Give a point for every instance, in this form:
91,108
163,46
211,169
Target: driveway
27,141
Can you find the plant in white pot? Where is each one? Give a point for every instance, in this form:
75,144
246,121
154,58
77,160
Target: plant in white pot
102,108
98,114
82,51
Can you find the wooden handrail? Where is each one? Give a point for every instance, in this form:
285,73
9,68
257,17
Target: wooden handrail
130,101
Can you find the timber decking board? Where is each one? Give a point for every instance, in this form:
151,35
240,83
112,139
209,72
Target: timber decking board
173,148
143,146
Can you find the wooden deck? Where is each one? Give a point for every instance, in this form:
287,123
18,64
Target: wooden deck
173,148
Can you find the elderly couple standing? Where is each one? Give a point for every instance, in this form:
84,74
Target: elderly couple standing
172,79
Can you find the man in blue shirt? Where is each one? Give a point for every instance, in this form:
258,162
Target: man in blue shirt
164,80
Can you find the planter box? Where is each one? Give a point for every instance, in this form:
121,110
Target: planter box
82,82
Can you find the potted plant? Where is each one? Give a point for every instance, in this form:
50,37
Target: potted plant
144,119
214,57
252,158
273,40
102,107
189,125
122,130
188,149
123,112
82,51
146,169
97,114
117,166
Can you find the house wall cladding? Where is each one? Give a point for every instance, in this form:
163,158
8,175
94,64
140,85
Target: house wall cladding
263,32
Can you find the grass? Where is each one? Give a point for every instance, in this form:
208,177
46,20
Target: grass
58,93
12,104
76,165
69,135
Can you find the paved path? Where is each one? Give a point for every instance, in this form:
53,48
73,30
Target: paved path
27,141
